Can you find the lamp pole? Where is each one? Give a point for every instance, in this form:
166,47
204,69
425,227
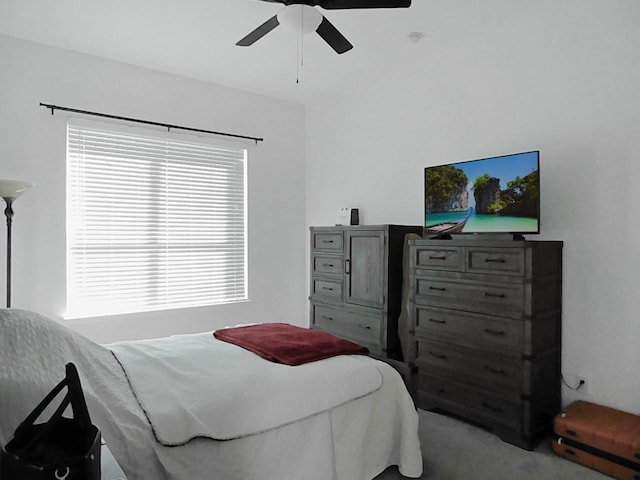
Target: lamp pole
9,191
9,214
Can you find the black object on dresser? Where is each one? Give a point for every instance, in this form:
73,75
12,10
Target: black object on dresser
485,330
356,285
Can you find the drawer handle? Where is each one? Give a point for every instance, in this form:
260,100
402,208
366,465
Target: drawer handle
572,433
347,266
366,327
439,289
328,288
437,257
494,260
494,295
327,318
327,265
436,320
494,332
497,371
441,356
492,408
327,241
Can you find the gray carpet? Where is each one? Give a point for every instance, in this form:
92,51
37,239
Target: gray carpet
452,450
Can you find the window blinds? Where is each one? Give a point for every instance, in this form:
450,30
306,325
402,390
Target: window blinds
152,223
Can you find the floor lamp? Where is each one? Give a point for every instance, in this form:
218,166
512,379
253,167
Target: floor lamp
10,190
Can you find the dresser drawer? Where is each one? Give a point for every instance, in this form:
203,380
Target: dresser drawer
478,331
445,258
481,368
331,289
504,261
480,403
327,241
358,327
468,296
327,264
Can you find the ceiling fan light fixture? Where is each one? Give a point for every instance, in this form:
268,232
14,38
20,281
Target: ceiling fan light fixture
302,19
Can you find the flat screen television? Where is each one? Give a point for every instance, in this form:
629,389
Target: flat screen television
490,195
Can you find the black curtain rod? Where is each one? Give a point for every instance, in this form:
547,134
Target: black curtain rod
147,122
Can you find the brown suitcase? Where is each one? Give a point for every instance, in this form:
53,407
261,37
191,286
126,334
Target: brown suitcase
613,467
600,437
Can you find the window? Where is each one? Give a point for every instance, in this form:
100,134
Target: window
153,222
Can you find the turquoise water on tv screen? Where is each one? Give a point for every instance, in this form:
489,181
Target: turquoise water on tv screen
486,223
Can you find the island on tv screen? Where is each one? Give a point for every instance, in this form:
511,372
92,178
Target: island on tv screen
491,195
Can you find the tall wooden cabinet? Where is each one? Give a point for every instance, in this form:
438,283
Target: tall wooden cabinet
485,330
356,284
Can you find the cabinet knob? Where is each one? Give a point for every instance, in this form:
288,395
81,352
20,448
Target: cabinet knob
494,260
494,295
493,332
441,356
497,371
437,320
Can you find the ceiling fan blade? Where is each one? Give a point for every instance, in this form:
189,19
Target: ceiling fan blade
259,32
333,37
353,4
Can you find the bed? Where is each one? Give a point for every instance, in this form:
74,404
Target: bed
348,440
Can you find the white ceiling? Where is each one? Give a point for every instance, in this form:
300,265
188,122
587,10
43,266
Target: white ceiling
196,38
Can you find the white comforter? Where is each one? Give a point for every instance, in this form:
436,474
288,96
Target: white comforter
354,441
210,388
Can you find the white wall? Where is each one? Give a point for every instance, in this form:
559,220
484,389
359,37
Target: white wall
32,148
565,82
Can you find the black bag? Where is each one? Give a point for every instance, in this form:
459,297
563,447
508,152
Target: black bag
61,448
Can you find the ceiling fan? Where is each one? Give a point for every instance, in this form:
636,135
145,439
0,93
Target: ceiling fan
301,15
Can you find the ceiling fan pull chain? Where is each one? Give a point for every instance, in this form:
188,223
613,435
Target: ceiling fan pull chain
300,56
298,60
302,10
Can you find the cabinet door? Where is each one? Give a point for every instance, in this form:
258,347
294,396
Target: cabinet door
365,268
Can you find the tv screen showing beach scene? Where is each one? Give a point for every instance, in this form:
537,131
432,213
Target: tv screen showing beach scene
490,195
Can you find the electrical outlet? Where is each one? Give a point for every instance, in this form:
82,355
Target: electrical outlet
576,382
581,384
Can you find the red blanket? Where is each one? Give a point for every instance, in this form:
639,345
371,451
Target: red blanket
284,343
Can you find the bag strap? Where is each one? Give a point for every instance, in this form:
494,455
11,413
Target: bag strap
73,397
22,431
33,416
76,396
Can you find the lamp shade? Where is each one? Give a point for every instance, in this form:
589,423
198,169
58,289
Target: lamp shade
13,188
300,18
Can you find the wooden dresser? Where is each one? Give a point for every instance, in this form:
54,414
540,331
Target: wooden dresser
356,284
485,326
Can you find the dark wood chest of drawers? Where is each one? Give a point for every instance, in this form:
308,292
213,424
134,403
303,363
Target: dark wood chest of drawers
485,320
356,284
